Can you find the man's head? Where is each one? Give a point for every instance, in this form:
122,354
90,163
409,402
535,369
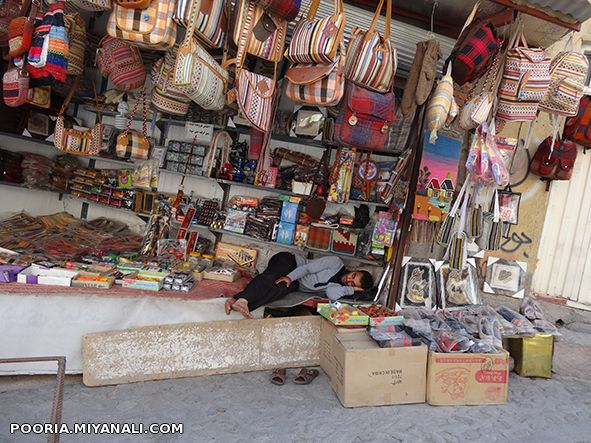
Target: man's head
358,279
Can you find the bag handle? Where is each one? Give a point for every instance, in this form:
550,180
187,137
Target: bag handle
376,16
69,96
496,209
338,8
456,205
191,28
142,97
470,18
463,215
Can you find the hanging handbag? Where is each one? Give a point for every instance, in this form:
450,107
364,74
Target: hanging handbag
317,40
121,63
554,162
260,32
75,141
15,86
442,107
255,95
568,72
475,48
166,97
92,5
134,4
211,23
286,9
150,28
20,30
197,74
316,84
132,145
222,142
10,9
40,97
365,118
371,58
76,29
457,249
578,128
525,81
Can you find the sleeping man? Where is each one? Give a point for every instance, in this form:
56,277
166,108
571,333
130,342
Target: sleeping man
286,273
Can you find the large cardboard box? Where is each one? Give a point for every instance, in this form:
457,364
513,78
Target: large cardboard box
532,355
367,375
328,332
468,379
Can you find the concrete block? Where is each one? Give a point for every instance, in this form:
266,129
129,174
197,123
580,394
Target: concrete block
193,349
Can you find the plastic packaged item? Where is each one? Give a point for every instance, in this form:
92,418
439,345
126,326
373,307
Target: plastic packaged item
489,330
482,347
531,309
546,327
522,325
449,342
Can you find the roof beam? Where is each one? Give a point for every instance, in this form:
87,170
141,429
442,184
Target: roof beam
539,14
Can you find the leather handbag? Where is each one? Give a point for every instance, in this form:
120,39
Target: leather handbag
76,29
364,118
371,58
211,23
492,227
74,141
475,48
316,84
525,81
255,95
133,145
554,162
133,4
150,28
260,32
317,41
121,63
286,9
20,31
568,72
578,128
15,86
166,97
197,74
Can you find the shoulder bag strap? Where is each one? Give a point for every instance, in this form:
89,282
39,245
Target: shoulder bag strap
96,102
69,96
191,28
338,8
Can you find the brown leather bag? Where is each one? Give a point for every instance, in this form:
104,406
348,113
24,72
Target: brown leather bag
557,163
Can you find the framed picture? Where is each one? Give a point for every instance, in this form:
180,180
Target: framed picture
457,288
505,277
418,286
509,206
307,122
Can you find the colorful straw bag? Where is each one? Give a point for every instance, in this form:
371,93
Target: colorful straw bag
197,74
317,41
371,58
15,86
150,28
211,22
76,29
20,31
166,97
133,145
121,62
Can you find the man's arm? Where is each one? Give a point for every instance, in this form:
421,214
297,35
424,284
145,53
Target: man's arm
335,291
313,266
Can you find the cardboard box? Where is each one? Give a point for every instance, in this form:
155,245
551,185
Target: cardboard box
532,355
325,310
367,375
40,275
133,281
328,332
236,254
106,283
8,273
468,379
209,274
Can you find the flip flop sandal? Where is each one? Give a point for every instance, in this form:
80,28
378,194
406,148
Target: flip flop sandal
306,376
278,377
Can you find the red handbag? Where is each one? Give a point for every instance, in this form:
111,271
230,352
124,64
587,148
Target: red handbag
556,164
365,118
286,9
578,128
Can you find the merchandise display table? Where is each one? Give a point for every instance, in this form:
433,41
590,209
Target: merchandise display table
51,320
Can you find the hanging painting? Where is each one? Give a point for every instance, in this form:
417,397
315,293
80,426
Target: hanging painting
437,177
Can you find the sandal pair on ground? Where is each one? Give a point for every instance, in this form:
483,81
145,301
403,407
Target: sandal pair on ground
304,377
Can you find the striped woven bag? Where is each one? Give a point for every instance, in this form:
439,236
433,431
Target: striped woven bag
568,72
442,108
212,19
76,29
525,82
317,41
371,59
166,97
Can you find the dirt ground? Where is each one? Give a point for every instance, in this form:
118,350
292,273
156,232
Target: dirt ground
247,408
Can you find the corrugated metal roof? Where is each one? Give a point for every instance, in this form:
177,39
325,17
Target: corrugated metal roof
578,10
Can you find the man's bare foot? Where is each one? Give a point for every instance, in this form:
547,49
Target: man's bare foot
228,305
241,305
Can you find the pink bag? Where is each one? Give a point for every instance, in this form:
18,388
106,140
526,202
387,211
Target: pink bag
15,86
